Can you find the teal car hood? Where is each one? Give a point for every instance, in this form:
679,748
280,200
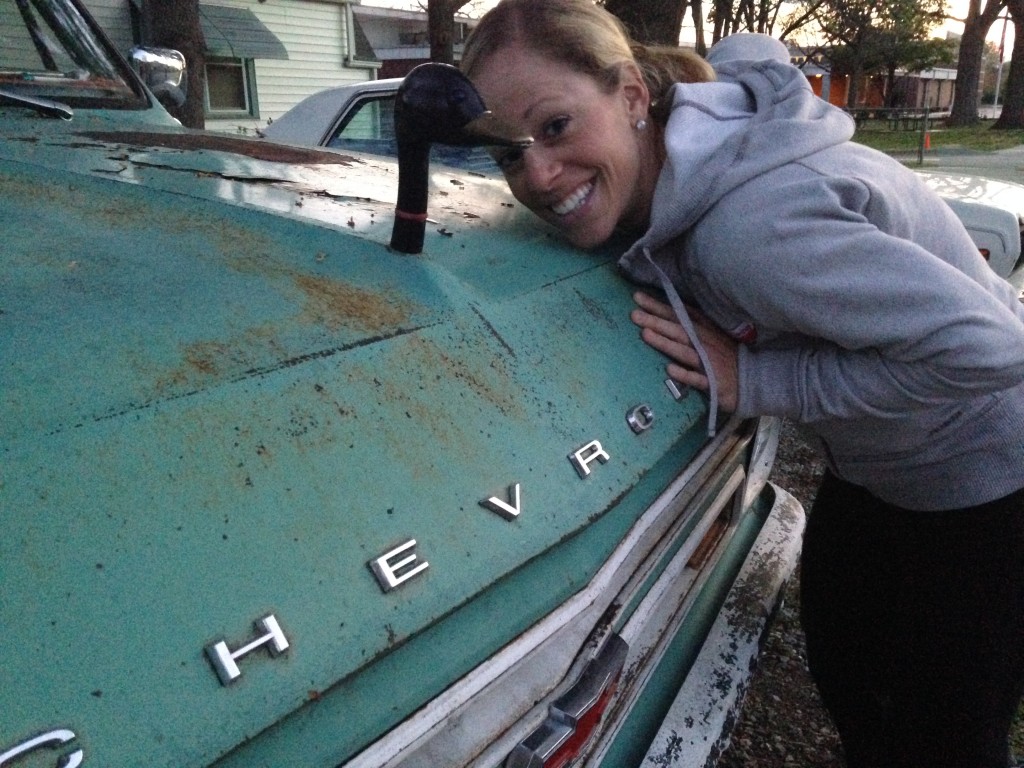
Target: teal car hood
225,398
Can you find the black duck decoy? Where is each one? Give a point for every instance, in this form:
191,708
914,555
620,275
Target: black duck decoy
436,103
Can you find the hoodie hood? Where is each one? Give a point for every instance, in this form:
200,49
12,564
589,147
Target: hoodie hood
760,114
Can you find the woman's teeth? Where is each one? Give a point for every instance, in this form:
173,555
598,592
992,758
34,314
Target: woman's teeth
573,201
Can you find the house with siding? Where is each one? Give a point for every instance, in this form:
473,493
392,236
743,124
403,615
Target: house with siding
264,56
399,38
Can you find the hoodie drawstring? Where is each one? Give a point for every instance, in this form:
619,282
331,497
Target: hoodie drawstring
684,319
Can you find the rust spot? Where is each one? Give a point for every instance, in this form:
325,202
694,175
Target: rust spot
336,304
213,357
200,361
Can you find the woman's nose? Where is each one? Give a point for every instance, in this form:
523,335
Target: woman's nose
542,167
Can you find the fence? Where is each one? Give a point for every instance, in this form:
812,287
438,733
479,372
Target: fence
902,119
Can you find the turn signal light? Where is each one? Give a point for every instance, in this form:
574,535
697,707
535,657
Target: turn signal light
574,716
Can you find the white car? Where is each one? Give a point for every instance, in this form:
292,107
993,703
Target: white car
993,212
360,118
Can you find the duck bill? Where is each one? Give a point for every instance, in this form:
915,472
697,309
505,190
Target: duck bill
489,130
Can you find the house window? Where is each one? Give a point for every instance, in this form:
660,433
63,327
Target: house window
230,88
418,38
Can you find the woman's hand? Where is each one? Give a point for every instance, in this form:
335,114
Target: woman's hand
660,329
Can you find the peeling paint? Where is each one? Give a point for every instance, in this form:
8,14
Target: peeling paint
254,148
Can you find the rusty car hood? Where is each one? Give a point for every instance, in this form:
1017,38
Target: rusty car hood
225,398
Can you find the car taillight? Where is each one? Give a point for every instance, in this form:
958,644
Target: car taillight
574,716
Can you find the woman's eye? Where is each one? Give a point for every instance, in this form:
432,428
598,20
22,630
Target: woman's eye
556,127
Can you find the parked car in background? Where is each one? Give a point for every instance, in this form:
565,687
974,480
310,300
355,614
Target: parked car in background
275,494
993,212
359,117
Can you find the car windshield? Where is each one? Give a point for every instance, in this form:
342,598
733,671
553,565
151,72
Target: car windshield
49,50
369,126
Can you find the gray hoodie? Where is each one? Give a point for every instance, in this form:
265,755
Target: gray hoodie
864,311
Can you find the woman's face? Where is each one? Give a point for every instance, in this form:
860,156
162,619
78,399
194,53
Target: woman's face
589,170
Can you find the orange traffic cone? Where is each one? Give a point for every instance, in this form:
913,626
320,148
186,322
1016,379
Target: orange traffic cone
927,140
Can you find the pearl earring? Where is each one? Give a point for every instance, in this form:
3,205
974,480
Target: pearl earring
640,124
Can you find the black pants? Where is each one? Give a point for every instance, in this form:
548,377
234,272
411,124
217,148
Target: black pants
915,627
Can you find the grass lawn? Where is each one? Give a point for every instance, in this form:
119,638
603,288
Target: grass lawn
877,134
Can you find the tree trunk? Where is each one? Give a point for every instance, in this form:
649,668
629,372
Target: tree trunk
968,70
697,12
890,87
1012,115
968,76
853,92
175,24
652,22
723,17
441,29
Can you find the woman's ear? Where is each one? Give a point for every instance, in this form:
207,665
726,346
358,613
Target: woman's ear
634,89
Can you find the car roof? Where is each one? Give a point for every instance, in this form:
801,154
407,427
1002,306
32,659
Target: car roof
309,121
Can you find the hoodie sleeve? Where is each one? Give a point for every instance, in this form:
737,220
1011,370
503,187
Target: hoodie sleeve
855,320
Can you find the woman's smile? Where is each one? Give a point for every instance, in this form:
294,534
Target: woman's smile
574,201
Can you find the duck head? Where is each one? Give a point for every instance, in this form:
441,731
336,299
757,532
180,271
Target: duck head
436,103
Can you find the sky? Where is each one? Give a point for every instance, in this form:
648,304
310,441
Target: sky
958,8
955,8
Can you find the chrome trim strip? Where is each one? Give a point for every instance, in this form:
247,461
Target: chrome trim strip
654,624
706,705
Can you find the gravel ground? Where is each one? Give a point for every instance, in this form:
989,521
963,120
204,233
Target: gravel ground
782,723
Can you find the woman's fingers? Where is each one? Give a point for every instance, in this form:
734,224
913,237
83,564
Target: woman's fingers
655,326
658,318
650,304
687,377
661,330
676,346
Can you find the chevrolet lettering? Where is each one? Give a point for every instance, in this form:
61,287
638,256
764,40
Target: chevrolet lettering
225,661
290,479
